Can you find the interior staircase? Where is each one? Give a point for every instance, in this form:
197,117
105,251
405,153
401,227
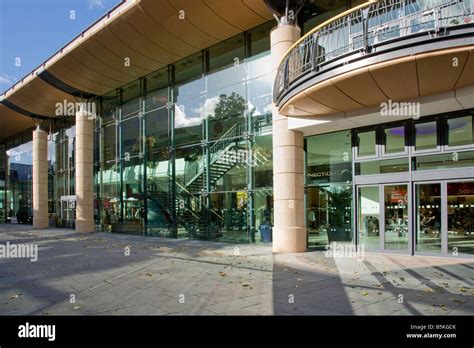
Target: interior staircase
191,211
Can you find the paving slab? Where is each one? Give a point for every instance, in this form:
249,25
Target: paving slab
188,277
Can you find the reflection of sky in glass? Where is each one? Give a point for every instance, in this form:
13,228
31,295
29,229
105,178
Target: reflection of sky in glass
188,103
260,95
397,131
259,65
52,148
199,98
220,80
22,154
425,128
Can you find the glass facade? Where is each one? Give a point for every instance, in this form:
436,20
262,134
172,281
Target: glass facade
412,183
61,179
18,174
329,188
186,151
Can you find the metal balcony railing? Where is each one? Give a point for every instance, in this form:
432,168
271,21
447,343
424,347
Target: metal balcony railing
364,30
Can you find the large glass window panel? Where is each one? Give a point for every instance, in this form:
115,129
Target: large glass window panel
20,183
189,68
156,99
191,210
130,108
460,131
225,114
157,129
225,95
227,53
426,136
228,165
160,193
260,39
52,199
263,211
109,183
329,158
133,211
329,214
394,139
157,89
396,217
221,80
131,137
63,180
188,113
369,216
366,143
263,161
190,169
260,102
188,99
109,141
428,217
131,102
460,217
228,217
108,107
131,91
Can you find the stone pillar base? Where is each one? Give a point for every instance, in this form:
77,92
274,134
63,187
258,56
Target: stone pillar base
39,222
289,239
85,226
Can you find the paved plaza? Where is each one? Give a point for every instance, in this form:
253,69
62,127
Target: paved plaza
113,274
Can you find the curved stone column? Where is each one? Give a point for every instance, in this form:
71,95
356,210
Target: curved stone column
40,179
84,173
289,231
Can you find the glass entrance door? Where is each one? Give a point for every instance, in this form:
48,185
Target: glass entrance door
444,218
460,217
384,217
368,207
68,211
396,217
428,218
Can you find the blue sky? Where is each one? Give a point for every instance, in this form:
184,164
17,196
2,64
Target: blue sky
33,30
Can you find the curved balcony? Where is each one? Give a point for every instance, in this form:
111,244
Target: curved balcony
389,49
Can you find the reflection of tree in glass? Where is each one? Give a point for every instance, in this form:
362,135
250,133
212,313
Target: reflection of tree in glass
228,106
339,200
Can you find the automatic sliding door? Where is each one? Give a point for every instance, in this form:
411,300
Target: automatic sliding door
369,216
396,215
460,216
428,230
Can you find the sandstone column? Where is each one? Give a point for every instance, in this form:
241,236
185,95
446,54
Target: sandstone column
84,173
40,179
289,231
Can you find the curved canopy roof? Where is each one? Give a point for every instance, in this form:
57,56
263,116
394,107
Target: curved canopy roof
147,34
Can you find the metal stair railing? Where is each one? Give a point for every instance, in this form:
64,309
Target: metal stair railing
226,140
180,199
